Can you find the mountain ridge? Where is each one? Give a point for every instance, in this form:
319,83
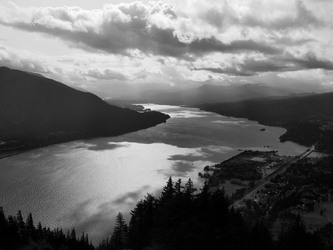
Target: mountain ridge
35,111
213,93
308,119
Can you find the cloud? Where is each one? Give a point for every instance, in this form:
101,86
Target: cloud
107,74
252,66
159,45
289,41
74,66
213,45
11,59
310,61
268,15
295,15
118,29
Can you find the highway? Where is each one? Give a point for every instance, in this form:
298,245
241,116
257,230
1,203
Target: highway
284,165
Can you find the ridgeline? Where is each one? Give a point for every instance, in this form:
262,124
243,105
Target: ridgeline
36,111
308,119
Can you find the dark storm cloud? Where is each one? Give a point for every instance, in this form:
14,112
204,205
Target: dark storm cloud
117,29
289,41
312,62
250,66
214,45
118,39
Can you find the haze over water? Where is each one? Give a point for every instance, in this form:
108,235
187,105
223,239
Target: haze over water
86,183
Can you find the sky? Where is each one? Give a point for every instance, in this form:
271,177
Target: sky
116,48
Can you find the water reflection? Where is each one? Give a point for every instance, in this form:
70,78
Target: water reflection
97,223
131,197
182,168
103,144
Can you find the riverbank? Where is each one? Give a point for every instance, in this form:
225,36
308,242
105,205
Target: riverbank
12,153
242,172
8,149
307,119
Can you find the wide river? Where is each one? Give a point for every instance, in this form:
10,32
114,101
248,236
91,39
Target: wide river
86,183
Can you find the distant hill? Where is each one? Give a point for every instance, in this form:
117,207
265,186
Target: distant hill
308,119
37,111
214,93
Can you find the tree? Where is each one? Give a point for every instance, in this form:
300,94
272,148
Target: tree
260,237
178,187
40,233
203,198
73,234
189,187
296,238
83,238
15,234
119,237
3,229
30,228
21,226
3,222
168,191
141,223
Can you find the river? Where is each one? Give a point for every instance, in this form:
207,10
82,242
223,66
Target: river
86,183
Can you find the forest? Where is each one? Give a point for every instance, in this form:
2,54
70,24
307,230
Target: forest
17,233
180,218
308,119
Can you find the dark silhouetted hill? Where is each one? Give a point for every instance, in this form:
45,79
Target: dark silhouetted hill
308,119
37,111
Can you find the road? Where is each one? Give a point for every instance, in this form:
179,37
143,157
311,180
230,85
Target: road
284,165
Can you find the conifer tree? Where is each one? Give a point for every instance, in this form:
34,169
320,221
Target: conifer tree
30,228
21,226
189,187
3,222
178,187
120,233
168,191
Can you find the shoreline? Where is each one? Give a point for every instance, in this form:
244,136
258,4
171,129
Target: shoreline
10,153
281,138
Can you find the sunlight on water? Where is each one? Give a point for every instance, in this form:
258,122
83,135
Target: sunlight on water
86,183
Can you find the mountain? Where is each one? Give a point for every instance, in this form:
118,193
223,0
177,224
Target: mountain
213,93
37,111
308,119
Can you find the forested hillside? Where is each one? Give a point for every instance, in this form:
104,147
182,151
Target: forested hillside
37,111
308,119
181,218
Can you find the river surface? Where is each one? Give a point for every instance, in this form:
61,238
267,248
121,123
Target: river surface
86,183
